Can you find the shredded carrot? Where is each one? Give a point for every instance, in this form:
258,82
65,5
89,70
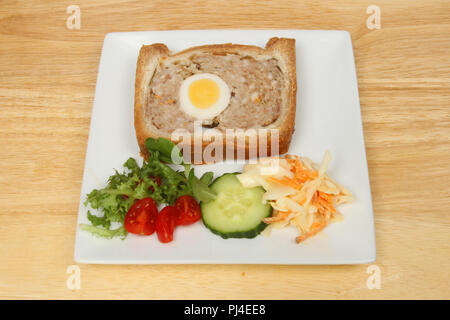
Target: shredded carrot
316,227
325,204
279,216
323,201
320,204
301,174
327,201
324,196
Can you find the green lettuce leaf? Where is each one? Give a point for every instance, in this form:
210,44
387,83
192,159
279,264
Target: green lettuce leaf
105,233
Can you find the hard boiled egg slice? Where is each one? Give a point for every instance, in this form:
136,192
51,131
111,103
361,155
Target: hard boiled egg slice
204,96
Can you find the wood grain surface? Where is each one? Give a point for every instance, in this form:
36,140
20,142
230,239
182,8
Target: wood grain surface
47,82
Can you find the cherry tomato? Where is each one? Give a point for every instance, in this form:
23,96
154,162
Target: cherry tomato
188,210
141,217
165,223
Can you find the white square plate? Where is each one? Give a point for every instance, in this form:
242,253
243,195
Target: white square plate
328,118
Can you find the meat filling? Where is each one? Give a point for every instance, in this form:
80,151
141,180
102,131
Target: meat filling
256,87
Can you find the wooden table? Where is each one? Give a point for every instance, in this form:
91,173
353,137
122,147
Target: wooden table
47,81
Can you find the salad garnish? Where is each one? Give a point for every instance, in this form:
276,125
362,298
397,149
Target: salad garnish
155,179
300,191
274,192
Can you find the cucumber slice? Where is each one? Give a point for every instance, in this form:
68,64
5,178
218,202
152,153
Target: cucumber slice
237,212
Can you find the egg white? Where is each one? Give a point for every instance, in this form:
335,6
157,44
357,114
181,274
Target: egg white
207,113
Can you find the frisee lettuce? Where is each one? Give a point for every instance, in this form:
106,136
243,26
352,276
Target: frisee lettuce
168,152
137,182
105,233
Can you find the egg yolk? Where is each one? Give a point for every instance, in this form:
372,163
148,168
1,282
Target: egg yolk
204,93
